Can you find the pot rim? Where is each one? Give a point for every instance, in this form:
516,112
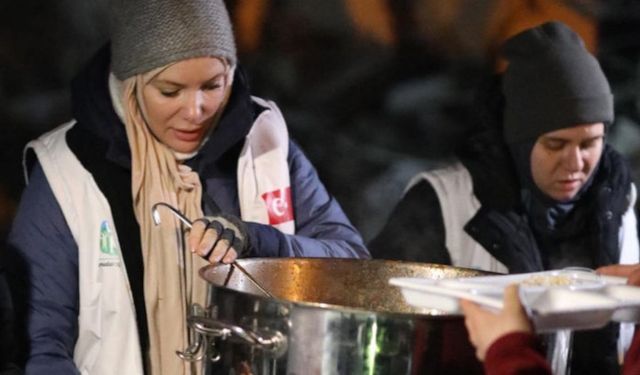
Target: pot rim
429,313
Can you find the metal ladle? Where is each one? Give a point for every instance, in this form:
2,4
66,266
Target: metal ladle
156,219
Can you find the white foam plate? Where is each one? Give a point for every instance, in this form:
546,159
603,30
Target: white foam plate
574,279
561,299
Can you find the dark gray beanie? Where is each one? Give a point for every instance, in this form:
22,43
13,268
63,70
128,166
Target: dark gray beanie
552,82
148,34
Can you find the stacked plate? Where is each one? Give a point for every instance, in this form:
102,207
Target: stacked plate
560,299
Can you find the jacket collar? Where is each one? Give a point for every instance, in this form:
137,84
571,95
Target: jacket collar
93,110
500,225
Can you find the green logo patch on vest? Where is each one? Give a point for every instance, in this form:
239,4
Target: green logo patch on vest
107,242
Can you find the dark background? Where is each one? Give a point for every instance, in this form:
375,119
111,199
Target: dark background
373,90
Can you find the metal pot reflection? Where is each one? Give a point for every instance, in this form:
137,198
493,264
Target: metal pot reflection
330,316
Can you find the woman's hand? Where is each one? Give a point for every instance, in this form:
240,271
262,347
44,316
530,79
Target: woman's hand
485,326
220,238
630,271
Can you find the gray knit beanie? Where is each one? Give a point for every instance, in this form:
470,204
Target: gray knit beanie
552,82
148,34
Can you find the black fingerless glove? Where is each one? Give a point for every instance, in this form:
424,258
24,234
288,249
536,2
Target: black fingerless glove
231,228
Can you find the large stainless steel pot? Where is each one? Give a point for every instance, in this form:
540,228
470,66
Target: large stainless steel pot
330,316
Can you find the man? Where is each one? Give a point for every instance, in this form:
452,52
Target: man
537,188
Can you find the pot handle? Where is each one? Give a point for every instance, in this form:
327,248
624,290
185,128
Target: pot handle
272,342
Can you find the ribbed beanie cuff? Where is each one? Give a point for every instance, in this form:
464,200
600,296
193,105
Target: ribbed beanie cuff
552,82
531,120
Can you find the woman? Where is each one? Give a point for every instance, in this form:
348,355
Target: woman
166,117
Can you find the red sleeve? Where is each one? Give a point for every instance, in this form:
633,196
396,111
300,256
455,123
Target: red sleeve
632,358
516,353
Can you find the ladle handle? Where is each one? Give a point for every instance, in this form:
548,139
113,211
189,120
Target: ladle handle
253,281
156,219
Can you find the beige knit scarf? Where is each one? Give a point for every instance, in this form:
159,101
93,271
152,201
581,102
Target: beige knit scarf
171,280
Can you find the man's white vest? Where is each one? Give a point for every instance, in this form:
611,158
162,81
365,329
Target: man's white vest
108,341
454,188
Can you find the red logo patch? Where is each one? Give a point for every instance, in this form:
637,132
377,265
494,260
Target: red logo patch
279,205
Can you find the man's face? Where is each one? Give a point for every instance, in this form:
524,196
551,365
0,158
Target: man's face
563,160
